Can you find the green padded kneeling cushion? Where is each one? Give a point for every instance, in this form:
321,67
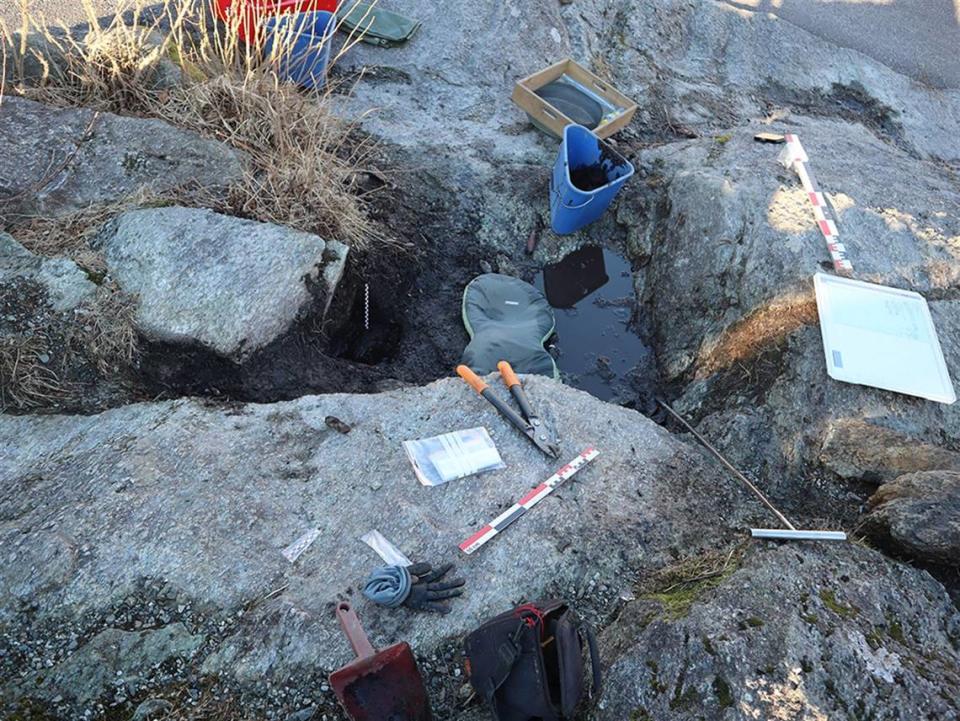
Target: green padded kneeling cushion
509,320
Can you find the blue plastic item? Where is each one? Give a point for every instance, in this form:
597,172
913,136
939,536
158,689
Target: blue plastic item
304,41
571,208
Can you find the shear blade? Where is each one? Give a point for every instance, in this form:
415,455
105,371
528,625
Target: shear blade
551,449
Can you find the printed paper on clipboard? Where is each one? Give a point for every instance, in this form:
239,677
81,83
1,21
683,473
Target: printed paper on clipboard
882,337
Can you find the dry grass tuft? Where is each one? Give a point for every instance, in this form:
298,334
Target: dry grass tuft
762,328
175,64
695,569
70,235
25,380
107,334
54,365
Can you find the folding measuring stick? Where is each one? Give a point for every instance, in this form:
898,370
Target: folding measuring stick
794,156
532,498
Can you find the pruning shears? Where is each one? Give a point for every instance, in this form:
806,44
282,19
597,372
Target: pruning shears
530,424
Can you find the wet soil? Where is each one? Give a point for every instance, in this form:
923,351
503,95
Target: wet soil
588,177
600,344
850,102
594,177
394,320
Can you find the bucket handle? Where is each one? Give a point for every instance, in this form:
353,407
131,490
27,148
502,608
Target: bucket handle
553,189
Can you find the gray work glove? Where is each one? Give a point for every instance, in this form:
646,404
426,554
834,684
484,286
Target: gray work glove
418,587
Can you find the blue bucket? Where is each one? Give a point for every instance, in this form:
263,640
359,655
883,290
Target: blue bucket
306,39
571,207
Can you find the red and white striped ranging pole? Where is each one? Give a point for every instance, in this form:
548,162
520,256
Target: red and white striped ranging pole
794,156
498,524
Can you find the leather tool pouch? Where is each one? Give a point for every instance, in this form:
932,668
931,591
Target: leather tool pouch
528,663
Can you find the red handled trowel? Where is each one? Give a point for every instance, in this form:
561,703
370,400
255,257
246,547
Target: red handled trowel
378,685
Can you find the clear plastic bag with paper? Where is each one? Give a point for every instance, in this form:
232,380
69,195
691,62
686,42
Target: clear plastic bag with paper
447,457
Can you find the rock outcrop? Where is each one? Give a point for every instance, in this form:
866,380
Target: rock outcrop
118,660
729,290
228,285
918,516
198,500
141,564
61,160
796,632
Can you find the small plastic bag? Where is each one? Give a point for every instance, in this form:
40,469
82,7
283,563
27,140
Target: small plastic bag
453,455
386,550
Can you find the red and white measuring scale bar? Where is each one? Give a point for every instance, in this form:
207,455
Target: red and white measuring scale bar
527,502
794,156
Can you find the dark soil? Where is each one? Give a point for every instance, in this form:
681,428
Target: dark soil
588,177
415,299
849,102
592,177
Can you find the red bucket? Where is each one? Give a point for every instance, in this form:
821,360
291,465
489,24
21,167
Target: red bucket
252,12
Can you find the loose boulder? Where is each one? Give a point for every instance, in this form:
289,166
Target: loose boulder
60,160
859,450
31,59
224,284
918,516
64,284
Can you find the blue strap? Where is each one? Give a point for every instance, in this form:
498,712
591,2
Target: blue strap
389,586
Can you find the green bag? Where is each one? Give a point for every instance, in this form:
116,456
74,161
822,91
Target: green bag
382,27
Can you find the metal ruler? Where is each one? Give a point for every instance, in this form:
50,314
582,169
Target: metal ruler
794,156
518,509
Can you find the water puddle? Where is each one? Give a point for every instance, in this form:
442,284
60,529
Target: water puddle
592,293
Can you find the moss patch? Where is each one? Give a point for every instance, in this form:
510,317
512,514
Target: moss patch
895,631
830,601
676,603
678,586
657,686
721,689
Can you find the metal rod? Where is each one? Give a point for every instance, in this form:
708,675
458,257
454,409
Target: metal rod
798,535
728,465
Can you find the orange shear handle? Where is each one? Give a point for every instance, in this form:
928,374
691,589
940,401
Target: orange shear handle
475,381
510,378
